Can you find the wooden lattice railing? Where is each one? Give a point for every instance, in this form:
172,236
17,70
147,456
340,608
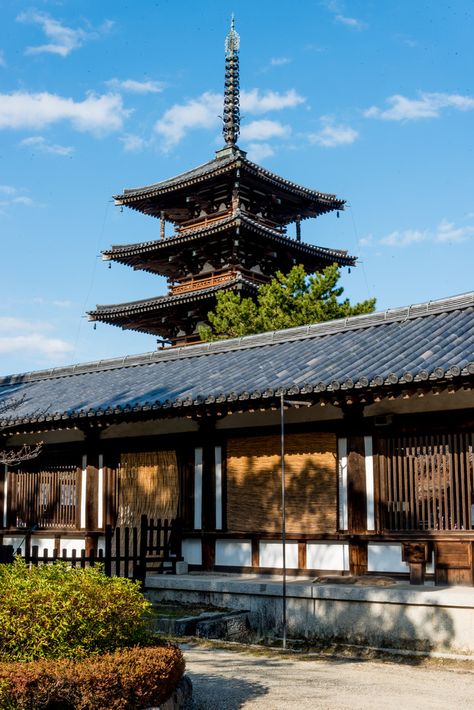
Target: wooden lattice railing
427,482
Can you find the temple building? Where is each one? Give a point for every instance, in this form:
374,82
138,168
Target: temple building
230,219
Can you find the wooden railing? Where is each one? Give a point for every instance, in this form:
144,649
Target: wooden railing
196,284
202,222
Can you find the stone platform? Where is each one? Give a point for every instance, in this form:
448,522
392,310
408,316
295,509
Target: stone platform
424,618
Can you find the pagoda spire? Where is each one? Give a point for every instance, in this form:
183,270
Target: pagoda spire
231,118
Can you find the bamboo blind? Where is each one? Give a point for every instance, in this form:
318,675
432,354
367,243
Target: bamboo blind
427,482
254,483
148,485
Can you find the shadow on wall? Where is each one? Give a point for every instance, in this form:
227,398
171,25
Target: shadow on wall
254,484
383,624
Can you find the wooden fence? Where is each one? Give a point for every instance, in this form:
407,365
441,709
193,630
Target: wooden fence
154,547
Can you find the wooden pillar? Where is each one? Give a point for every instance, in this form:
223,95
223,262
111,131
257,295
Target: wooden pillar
207,442
90,504
208,552
356,489
3,492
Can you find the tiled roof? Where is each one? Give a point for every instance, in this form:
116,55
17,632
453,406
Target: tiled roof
152,304
429,342
330,255
220,165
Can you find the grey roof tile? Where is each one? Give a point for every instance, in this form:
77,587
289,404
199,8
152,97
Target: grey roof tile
423,340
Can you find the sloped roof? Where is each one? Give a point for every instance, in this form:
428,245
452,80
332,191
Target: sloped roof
150,305
219,166
126,252
426,342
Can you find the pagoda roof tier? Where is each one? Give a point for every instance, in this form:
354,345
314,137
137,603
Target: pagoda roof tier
214,181
164,315
154,256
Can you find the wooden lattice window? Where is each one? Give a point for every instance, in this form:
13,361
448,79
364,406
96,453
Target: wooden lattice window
427,482
45,498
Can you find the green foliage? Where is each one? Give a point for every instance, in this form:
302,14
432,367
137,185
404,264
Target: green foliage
128,679
287,301
53,611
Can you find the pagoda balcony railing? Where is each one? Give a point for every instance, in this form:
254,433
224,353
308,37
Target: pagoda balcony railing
199,222
214,279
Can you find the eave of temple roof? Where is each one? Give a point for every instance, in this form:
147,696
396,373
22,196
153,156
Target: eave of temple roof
220,166
123,253
158,302
394,351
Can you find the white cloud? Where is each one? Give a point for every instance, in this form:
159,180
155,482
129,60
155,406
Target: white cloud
35,342
351,22
332,135
99,114
429,105
7,190
405,238
132,143
445,232
259,151
337,9
63,39
42,145
448,232
204,111
280,61
264,130
18,335
254,101
366,241
136,87
62,304
13,196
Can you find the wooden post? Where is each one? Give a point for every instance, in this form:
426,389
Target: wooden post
208,552
417,554
3,485
356,489
255,552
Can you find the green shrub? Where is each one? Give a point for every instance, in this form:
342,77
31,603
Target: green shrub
54,611
129,679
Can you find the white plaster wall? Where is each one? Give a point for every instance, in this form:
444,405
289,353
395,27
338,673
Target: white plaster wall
271,554
43,543
192,552
237,553
17,541
331,556
70,544
385,558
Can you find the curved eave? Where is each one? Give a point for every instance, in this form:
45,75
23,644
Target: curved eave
127,254
149,305
137,198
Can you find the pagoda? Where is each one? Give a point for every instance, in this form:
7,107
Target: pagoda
230,219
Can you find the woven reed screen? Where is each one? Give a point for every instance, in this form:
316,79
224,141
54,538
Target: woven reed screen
254,483
148,485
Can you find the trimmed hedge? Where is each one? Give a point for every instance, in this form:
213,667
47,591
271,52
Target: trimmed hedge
129,679
55,611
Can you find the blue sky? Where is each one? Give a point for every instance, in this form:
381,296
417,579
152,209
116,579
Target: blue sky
370,100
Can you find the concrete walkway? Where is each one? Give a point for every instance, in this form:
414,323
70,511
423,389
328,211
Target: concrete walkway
230,680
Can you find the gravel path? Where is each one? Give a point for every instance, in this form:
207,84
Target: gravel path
228,680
